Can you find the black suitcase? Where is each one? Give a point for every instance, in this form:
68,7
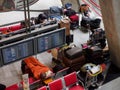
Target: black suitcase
85,22
73,53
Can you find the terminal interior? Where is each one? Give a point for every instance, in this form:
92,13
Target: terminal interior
59,44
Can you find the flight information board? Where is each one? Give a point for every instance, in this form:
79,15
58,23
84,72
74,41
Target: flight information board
51,40
17,51
1,63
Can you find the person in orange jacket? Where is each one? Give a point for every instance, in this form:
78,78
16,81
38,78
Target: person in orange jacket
37,68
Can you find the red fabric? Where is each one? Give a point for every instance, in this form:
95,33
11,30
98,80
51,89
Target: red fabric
42,88
74,18
77,87
4,30
36,67
15,27
103,66
56,84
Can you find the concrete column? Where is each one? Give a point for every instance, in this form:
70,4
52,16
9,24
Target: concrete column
111,17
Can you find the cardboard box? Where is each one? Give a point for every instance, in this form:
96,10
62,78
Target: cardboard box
65,23
54,53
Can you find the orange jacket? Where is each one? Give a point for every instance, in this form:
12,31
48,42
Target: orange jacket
36,67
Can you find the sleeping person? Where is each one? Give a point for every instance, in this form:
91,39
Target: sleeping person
37,68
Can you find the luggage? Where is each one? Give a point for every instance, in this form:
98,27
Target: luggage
55,10
85,22
68,5
65,23
73,58
69,39
95,23
98,37
74,18
70,12
94,55
73,53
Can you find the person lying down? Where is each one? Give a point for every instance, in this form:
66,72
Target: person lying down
38,69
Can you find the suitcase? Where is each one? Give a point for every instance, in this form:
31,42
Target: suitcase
69,39
73,53
74,18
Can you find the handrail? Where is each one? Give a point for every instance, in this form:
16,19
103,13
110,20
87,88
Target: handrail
24,35
45,11
11,23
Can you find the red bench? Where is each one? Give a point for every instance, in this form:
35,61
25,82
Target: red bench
7,29
15,27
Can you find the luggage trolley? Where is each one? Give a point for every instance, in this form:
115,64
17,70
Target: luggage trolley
92,72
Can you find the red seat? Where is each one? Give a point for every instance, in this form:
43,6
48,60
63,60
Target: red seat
15,27
61,73
71,82
56,84
12,87
4,30
42,88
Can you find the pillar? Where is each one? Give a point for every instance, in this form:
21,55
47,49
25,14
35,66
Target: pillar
110,10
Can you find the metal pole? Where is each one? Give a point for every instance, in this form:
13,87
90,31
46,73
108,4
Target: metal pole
25,14
28,12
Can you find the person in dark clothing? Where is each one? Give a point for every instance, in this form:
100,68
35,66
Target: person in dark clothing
41,18
98,34
23,24
70,12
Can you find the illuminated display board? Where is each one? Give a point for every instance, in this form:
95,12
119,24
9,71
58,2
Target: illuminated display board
31,46
1,63
51,40
17,51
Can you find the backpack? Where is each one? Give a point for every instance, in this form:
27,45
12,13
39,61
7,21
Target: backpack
98,36
85,22
68,5
70,12
55,10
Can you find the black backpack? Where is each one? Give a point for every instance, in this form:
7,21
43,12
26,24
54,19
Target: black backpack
70,12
